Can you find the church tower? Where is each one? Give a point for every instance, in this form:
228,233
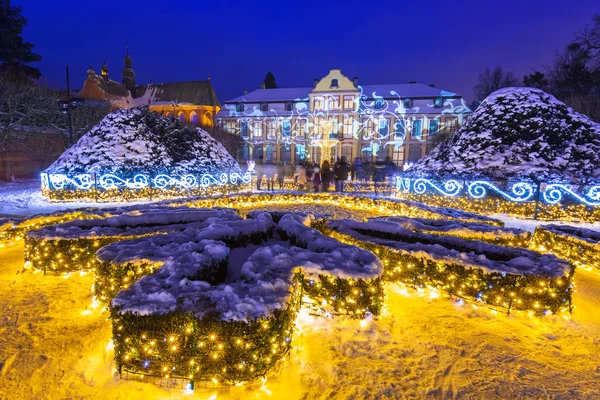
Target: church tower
104,70
128,73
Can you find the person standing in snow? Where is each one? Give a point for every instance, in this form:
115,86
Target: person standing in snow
316,179
260,171
300,176
281,168
270,173
326,176
341,174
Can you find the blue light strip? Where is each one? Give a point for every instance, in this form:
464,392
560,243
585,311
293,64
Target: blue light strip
519,192
139,181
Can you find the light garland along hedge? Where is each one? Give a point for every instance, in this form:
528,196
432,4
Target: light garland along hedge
406,261
149,193
241,332
579,245
71,246
356,186
498,205
353,202
499,236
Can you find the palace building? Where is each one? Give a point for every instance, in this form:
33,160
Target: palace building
340,117
194,102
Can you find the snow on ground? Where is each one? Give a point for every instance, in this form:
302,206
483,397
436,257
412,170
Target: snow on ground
53,344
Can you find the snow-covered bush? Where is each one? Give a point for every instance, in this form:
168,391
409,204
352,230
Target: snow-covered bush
193,319
71,246
384,205
507,277
500,236
581,246
515,134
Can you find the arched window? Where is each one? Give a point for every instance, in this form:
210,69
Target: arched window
258,151
194,118
334,84
271,155
207,119
181,116
245,152
168,115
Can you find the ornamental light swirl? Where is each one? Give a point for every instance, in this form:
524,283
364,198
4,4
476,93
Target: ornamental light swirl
450,188
521,191
110,181
554,194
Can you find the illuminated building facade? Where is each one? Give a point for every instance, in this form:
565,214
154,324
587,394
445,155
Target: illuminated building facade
339,116
193,102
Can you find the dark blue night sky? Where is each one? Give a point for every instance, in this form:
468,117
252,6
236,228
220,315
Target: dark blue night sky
443,42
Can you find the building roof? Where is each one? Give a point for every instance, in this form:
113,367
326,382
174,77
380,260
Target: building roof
290,94
191,92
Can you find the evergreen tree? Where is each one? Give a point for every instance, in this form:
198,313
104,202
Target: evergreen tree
536,79
15,53
270,81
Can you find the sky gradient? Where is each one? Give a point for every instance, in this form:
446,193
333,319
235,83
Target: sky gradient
236,42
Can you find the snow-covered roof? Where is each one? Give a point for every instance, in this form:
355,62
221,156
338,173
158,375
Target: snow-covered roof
409,90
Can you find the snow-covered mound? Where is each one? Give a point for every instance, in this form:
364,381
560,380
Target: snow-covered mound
130,141
519,133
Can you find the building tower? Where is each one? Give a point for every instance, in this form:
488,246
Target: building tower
128,73
104,70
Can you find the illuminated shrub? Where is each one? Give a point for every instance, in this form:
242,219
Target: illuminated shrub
71,246
191,320
579,245
467,230
508,277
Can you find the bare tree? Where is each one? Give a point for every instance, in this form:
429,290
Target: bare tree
491,80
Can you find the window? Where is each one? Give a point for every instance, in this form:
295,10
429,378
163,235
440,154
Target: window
230,126
366,152
318,125
349,102
369,129
257,130
286,153
207,119
334,102
239,107
381,152
245,152
286,128
334,84
264,107
347,152
271,155
378,104
348,130
271,129
194,118
400,128
168,115
336,127
288,106
384,128
301,131
434,127
451,125
300,152
318,103
244,129
181,116
398,155
407,103
438,102
414,152
417,129
258,151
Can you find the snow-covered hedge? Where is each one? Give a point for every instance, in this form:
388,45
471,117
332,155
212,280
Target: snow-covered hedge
71,246
500,236
507,277
518,133
385,206
191,320
581,246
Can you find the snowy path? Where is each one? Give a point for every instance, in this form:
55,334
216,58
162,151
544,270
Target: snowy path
421,347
